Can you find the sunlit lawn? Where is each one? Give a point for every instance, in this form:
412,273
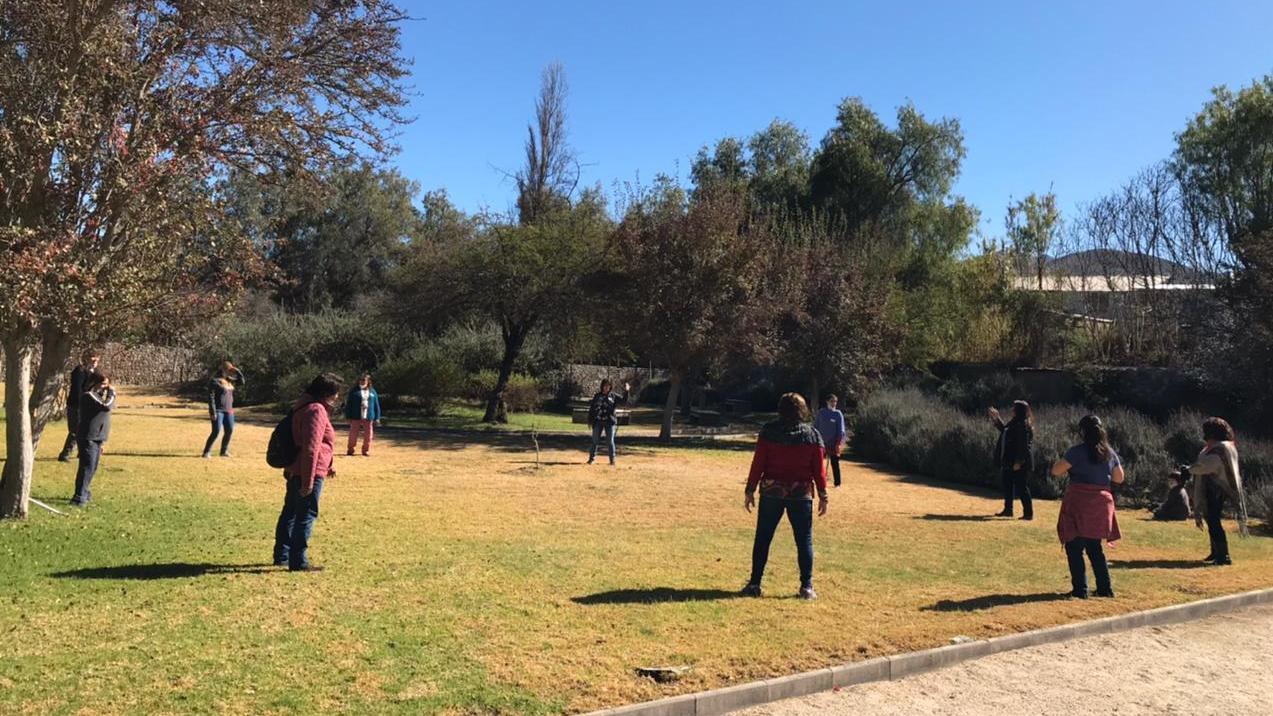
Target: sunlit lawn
462,579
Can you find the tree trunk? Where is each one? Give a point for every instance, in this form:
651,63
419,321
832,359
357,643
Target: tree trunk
669,408
55,349
15,486
814,398
496,409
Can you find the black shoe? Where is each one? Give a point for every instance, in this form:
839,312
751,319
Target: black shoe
1005,513
751,590
1222,562
1027,518
1108,593
1079,595
1209,558
63,458
307,568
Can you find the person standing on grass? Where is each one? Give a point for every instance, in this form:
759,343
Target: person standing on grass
79,374
91,432
602,418
1217,479
787,467
1016,456
362,409
315,439
1087,510
221,406
830,425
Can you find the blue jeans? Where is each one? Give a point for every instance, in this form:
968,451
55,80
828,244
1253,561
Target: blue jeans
296,524
1074,550
90,454
219,420
800,514
599,429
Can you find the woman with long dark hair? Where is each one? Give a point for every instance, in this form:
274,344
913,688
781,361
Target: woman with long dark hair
1087,510
1217,480
1016,456
603,418
221,406
787,467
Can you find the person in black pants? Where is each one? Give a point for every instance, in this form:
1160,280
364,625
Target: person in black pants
1016,456
88,364
1217,480
91,432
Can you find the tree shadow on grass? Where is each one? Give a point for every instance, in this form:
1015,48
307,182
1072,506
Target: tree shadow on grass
954,518
1157,564
655,595
171,570
994,600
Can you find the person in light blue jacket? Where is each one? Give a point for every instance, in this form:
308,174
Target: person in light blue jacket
830,425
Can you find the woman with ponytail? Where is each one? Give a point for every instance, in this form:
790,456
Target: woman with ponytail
1087,511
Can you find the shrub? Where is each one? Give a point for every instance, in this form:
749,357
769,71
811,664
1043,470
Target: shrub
427,373
523,393
922,434
289,387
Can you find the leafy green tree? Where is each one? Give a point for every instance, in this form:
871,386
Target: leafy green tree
773,166
1032,226
332,239
691,282
1224,161
113,115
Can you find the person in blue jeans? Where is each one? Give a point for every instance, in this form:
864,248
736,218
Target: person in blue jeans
830,425
221,406
602,418
315,440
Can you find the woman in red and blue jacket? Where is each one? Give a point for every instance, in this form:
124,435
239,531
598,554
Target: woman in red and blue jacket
787,467
313,434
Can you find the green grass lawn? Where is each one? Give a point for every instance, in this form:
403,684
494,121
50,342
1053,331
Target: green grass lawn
462,578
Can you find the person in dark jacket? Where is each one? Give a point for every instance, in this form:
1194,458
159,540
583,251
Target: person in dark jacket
221,406
1016,456
787,468
88,365
1176,506
362,410
1087,516
316,439
91,432
602,418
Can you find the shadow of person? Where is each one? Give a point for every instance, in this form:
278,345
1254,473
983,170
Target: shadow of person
1157,564
655,595
954,518
994,600
170,570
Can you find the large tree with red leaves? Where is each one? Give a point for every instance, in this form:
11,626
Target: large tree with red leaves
115,117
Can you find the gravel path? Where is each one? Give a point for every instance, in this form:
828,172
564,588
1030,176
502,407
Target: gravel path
1220,665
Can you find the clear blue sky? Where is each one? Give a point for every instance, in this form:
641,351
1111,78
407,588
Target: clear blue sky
1077,95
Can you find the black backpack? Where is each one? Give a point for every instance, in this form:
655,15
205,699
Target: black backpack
282,450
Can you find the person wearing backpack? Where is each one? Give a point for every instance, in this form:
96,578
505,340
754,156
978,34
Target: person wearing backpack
313,443
602,418
362,410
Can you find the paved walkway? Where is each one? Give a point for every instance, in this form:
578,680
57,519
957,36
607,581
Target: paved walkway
1220,665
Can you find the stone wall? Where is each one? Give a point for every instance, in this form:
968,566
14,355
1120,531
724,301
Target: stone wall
147,365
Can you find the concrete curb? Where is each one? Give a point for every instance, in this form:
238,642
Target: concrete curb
900,666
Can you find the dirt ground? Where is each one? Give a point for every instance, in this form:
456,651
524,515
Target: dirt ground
1219,665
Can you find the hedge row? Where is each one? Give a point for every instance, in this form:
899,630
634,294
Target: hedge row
922,434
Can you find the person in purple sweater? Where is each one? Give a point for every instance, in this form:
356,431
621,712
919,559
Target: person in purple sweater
830,425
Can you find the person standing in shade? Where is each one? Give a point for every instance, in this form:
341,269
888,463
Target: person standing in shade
830,425
789,464
80,373
221,406
1217,480
602,418
315,439
362,409
1016,456
91,432
1087,509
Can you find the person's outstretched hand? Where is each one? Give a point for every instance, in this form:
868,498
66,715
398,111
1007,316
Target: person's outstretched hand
822,507
749,502
993,412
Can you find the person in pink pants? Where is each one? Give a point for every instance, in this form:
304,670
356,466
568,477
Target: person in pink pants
362,409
